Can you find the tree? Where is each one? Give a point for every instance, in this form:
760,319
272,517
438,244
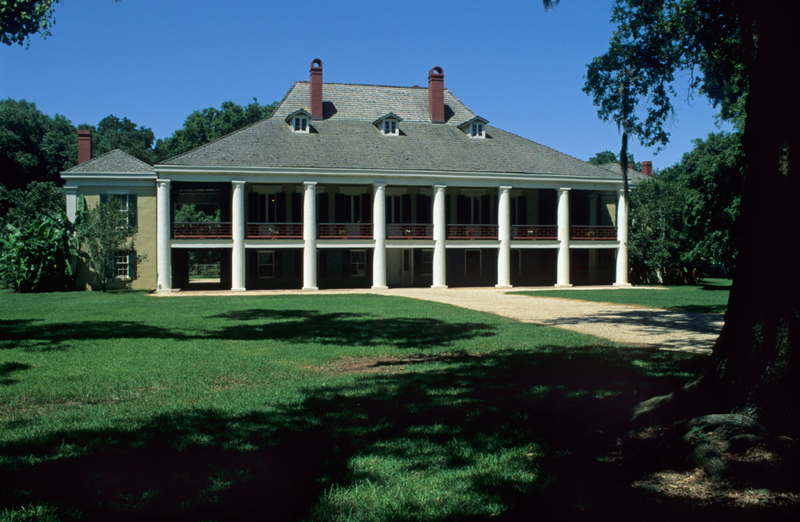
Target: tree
209,124
19,19
744,51
602,158
22,206
107,233
114,133
37,257
34,146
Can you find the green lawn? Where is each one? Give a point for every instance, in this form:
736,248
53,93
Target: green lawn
711,297
359,407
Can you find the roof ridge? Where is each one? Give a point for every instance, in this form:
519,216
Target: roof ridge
108,153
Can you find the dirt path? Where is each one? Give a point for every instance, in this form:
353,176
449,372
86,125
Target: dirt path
619,323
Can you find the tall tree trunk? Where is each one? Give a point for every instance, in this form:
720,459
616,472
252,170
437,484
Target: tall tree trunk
755,359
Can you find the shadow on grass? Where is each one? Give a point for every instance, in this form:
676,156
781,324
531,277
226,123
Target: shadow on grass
347,329
6,369
284,461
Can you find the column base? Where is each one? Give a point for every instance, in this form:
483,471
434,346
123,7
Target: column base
380,288
503,286
439,286
310,288
623,285
563,285
238,290
164,291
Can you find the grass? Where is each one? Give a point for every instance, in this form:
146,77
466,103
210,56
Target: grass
125,406
710,297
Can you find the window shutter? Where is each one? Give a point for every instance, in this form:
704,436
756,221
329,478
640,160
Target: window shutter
486,210
103,199
252,207
132,264
366,208
322,269
134,211
447,209
297,208
513,212
463,211
340,211
522,210
406,204
322,214
280,205
251,264
424,210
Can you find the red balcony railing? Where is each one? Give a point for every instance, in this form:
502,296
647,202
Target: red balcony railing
593,233
274,230
408,231
202,230
534,232
345,231
471,231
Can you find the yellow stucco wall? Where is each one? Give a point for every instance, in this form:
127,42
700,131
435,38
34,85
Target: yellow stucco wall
144,242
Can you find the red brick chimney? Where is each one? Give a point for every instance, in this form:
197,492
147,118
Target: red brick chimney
436,94
316,89
647,168
84,146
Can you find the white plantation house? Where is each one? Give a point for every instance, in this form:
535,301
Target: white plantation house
351,186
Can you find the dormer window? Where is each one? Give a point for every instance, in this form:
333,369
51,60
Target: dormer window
474,128
389,124
299,121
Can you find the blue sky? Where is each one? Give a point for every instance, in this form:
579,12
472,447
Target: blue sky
156,61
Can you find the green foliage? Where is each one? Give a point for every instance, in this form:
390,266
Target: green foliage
34,146
190,213
22,206
19,19
683,219
632,84
37,257
209,124
106,232
114,133
601,158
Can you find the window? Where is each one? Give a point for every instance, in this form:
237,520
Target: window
122,264
126,202
300,124
266,264
427,262
390,127
358,263
477,130
474,128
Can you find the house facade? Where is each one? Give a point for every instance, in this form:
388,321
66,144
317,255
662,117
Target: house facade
359,186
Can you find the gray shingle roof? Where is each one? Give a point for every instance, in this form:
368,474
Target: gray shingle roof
347,139
113,161
633,175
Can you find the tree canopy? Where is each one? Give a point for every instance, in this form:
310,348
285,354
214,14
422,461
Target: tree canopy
209,124
607,156
115,133
19,19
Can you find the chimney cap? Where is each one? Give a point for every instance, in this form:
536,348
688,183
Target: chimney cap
316,61
436,71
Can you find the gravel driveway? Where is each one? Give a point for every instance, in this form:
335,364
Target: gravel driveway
619,323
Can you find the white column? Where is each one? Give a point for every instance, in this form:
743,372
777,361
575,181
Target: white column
310,236
593,251
439,236
72,203
379,234
237,252
622,237
562,274
163,235
504,234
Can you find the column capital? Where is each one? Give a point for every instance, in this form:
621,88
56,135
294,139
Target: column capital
238,182
504,188
309,183
440,186
163,182
71,191
564,189
379,184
